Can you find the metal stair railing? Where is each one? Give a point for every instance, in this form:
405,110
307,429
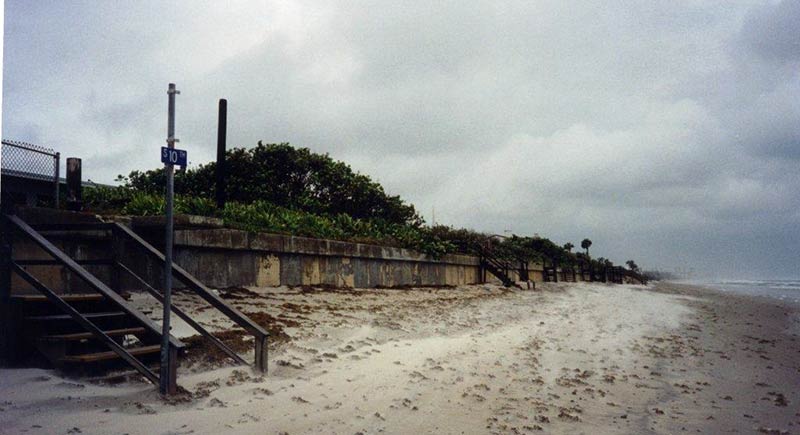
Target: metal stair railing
120,231
185,317
259,334
65,261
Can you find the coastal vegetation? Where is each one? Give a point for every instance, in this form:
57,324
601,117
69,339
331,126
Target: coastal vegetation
282,189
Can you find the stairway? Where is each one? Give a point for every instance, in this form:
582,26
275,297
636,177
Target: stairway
550,274
45,330
494,265
97,330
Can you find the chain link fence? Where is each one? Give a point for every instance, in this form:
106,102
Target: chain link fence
27,161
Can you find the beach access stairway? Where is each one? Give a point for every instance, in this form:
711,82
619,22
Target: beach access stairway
97,329
550,273
494,265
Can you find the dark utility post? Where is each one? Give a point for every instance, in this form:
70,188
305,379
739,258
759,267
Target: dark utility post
167,381
222,131
74,193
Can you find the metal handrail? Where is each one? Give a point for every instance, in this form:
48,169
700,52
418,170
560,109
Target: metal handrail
87,277
185,317
97,285
259,334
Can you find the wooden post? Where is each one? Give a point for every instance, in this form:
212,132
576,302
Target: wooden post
221,173
261,354
74,193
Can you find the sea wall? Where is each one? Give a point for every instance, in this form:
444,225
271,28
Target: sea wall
223,257
227,257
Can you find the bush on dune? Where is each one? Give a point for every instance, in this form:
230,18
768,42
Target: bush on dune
281,189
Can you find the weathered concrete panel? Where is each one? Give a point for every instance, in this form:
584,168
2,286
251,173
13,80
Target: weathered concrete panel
266,242
268,271
342,249
310,269
373,273
291,271
347,276
360,272
450,275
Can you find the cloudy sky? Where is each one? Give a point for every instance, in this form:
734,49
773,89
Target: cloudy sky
667,132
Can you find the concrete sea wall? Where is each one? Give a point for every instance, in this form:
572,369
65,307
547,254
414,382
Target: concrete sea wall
223,257
226,257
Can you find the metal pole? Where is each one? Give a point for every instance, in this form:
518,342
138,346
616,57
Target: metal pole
222,130
167,384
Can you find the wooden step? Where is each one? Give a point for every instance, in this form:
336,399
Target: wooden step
68,317
84,297
104,356
89,335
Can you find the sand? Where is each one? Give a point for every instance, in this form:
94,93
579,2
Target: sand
566,358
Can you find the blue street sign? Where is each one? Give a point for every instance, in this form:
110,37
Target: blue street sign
173,156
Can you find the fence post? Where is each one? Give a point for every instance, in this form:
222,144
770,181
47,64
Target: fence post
56,179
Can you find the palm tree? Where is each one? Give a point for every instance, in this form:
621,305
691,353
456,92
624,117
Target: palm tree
569,247
585,245
632,265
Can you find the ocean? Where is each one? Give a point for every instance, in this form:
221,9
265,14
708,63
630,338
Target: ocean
787,291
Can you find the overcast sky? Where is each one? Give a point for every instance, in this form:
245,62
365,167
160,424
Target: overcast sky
666,132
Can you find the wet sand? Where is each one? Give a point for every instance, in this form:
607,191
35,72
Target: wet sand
566,358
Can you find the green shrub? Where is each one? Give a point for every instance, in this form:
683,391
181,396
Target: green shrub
294,178
145,204
106,199
195,205
281,189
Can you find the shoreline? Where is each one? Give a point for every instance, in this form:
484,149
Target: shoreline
753,357
566,358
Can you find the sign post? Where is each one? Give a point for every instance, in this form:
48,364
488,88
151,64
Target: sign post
166,384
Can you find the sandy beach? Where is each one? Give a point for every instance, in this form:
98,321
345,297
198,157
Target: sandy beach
565,358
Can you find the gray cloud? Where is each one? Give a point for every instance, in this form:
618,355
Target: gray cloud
664,132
